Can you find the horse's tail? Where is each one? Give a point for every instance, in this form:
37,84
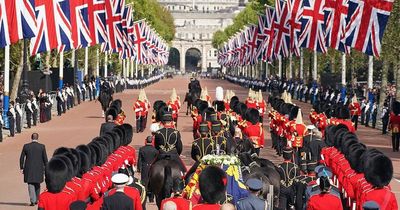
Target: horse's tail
168,182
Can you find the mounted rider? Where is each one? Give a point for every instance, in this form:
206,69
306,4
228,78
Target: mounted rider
167,140
194,85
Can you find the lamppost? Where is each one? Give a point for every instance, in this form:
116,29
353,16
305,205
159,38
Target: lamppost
24,93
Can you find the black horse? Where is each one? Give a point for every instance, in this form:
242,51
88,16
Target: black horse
161,178
105,96
190,98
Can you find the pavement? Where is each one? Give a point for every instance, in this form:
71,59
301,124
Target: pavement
82,123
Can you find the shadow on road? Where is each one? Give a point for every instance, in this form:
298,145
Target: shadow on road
13,204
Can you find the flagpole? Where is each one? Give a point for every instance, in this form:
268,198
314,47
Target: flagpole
136,70
131,72
370,71
86,60
301,64
314,75
290,66
6,98
97,63
127,67
61,70
266,70
343,69
280,66
105,64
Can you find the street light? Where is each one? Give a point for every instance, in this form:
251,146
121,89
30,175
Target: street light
24,94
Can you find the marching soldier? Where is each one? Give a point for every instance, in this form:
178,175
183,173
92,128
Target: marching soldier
288,171
299,130
168,141
394,126
254,130
262,106
250,101
203,145
175,105
205,97
355,111
141,111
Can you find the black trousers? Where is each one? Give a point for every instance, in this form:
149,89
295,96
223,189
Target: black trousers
18,123
385,123
139,124
11,123
90,95
395,141
83,95
29,119
354,119
286,197
59,108
34,117
362,117
78,96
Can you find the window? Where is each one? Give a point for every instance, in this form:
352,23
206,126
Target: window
209,53
215,53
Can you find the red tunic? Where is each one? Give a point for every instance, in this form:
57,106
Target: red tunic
394,123
181,203
55,201
175,108
324,201
313,117
355,109
251,104
300,130
255,134
207,207
140,109
133,194
383,196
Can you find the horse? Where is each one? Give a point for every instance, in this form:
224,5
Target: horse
105,97
190,98
161,178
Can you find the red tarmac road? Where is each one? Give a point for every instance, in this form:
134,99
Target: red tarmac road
82,123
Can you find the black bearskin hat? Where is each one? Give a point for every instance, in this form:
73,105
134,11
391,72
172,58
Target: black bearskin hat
98,153
61,151
242,109
117,103
253,116
233,100
344,113
69,165
128,133
115,137
339,134
219,106
113,112
85,163
110,142
396,108
121,134
212,184
157,104
293,112
117,109
56,173
209,114
102,141
378,170
354,155
367,155
75,159
203,105
233,105
348,140
330,135
85,149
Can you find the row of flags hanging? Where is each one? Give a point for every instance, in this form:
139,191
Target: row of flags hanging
313,24
74,24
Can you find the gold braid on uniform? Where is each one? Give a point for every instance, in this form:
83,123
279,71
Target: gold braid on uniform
167,147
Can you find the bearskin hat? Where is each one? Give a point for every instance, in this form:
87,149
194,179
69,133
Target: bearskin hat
69,165
339,137
115,138
367,155
56,174
219,106
85,149
234,105
355,152
128,133
330,135
158,104
61,151
209,114
378,170
85,163
98,153
348,140
396,107
253,116
102,141
233,99
117,103
113,112
212,184
294,112
344,113
117,109
76,160
108,138
242,109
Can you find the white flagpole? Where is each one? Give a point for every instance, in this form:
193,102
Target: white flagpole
301,64
266,70
315,66
61,70
86,60
290,66
128,62
280,66
370,71
97,63
6,98
105,64
131,71
343,69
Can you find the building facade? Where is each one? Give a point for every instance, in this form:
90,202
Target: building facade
196,21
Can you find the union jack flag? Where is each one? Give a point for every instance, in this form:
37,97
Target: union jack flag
252,42
114,10
80,23
127,24
269,31
97,21
282,30
313,26
140,40
335,21
54,28
4,34
366,22
21,19
295,9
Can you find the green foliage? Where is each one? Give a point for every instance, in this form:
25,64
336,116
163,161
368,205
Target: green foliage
156,15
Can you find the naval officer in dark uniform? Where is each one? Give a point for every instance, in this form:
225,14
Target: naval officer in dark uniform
253,201
167,140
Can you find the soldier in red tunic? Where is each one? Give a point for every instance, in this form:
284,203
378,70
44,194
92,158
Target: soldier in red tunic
205,96
262,106
141,108
355,111
174,104
394,126
324,200
251,102
254,130
212,185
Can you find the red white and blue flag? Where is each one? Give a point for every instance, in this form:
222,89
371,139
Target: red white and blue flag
269,31
81,35
335,22
282,30
313,26
295,9
140,40
4,33
366,22
21,19
97,21
54,28
114,9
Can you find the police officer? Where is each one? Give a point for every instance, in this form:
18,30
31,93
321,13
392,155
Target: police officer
253,201
167,140
203,145
288,171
